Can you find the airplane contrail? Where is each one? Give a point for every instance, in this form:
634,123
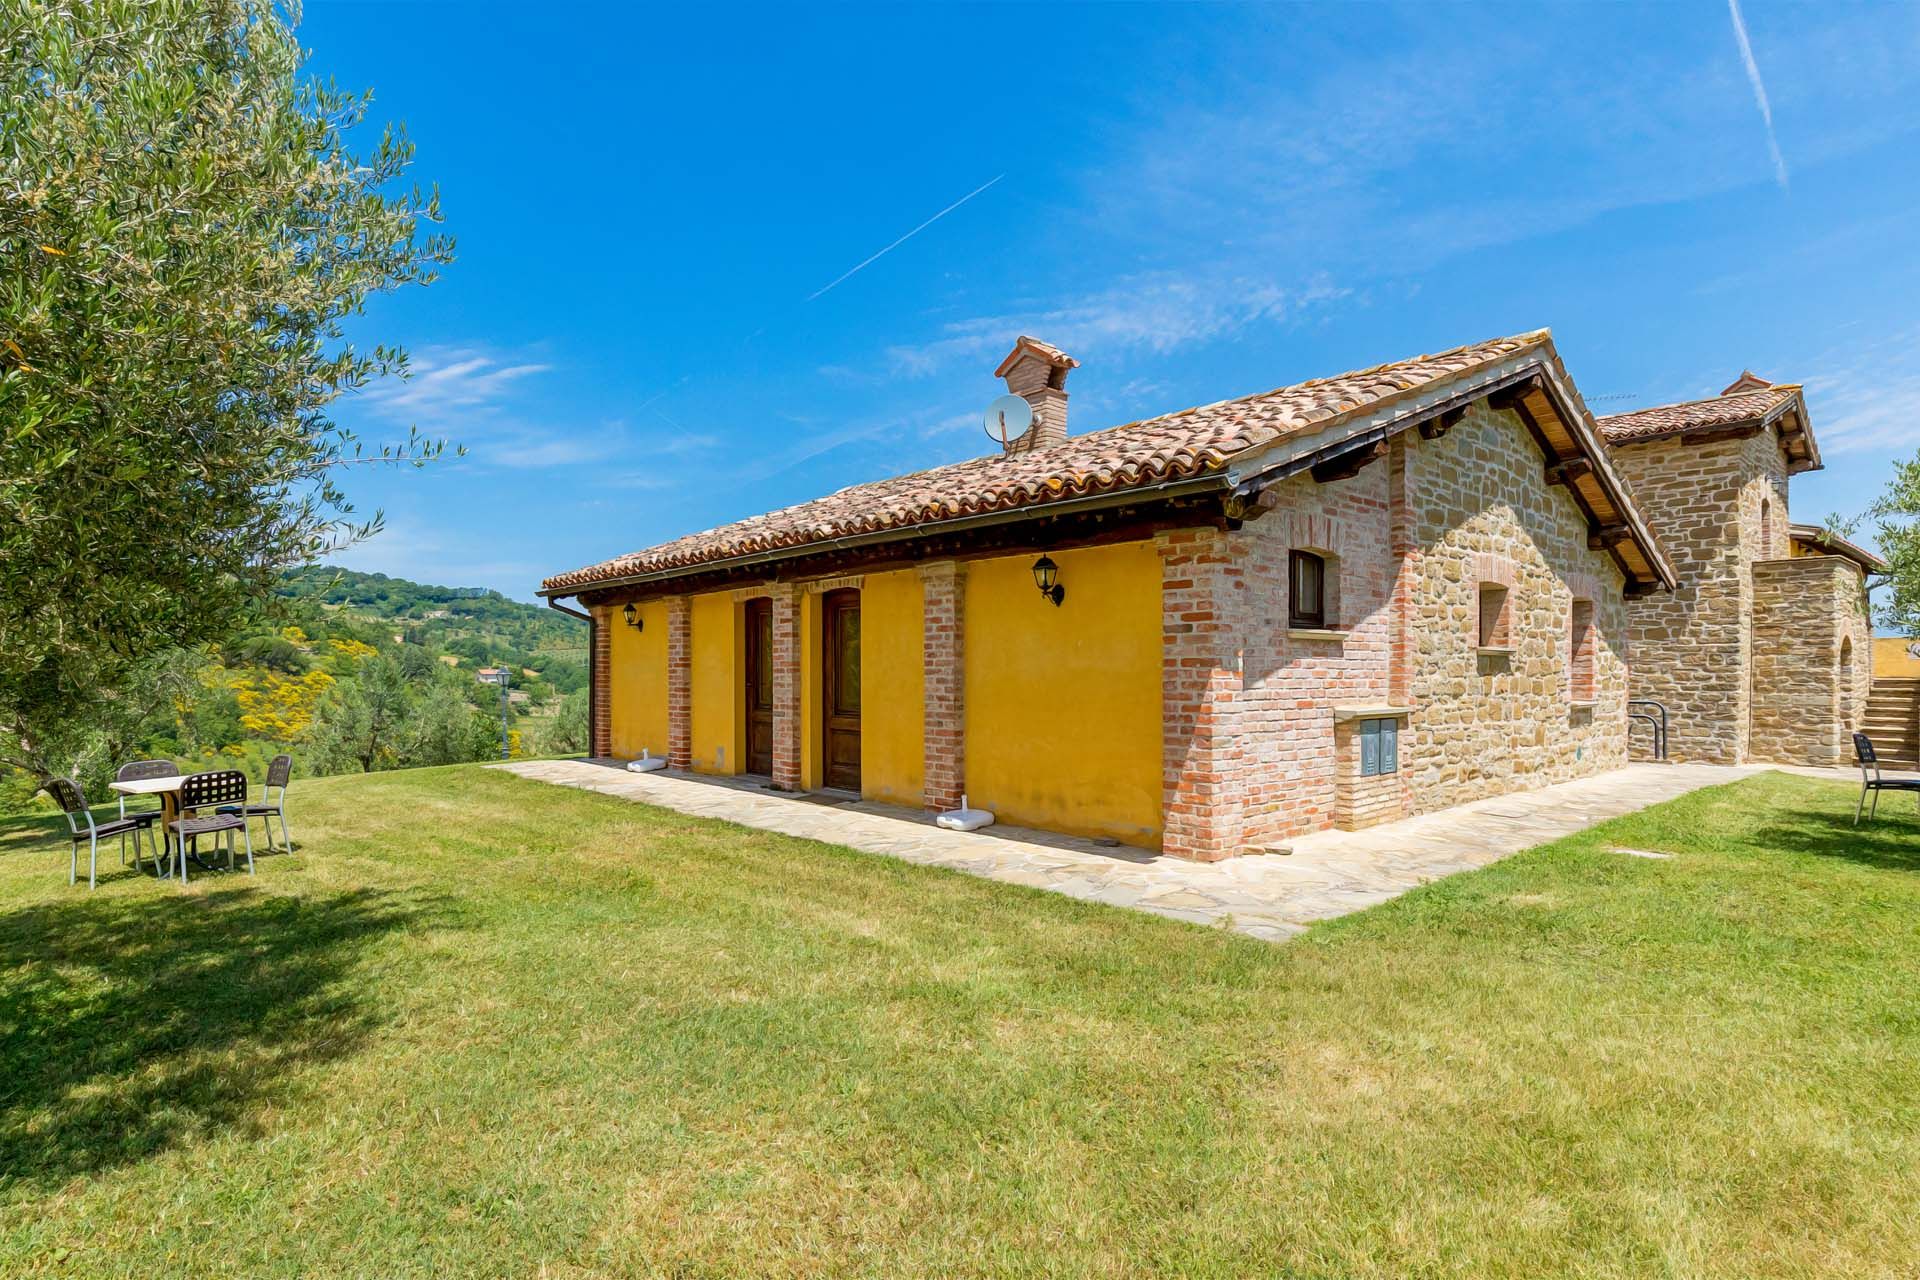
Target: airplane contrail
903,239
1759,91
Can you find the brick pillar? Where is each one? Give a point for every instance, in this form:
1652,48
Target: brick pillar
599,711
679,683
943,585
786,687
1405,549
1202,782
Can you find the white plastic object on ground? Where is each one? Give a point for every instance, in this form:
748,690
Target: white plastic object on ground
963,818
646,763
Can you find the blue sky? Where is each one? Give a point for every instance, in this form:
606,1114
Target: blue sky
1197,202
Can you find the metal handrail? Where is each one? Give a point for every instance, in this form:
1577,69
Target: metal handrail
1637,708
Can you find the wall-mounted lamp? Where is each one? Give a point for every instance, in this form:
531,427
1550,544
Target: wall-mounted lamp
1046,576
632,615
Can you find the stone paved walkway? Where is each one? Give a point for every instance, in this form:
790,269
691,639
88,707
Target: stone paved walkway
1271,896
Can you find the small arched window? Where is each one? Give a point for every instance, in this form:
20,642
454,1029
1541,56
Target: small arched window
1766,528
1306,590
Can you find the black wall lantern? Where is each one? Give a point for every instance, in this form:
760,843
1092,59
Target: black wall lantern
1046,576
632,615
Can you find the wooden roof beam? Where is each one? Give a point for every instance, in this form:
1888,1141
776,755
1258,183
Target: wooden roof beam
1607,535
1435,427
1344,466
1568,470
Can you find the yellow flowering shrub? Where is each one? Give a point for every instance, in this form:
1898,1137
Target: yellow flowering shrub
277,707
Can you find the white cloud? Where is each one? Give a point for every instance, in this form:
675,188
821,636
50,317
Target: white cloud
1153,312
1868,398
1439,144
448,384
535,451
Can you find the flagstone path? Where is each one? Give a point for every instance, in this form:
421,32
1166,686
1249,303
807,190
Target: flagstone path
1271,896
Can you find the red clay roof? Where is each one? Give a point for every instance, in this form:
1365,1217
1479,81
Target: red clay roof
1833,544
1191,442
1734,410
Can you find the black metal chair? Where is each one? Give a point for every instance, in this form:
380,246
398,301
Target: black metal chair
210,791
73,802
140,771
1870,779
279,772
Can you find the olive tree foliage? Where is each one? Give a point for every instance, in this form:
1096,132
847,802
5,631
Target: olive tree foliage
1896,517
184,227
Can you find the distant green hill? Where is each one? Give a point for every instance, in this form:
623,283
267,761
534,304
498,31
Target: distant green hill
352,672
479,626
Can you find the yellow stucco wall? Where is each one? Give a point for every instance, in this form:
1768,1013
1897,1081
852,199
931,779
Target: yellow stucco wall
637,692
716,684
892,684
1063,704
1892,661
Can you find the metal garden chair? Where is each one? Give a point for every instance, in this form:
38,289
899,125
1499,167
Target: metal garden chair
210,791
1870,779
140,771
73,802
271,806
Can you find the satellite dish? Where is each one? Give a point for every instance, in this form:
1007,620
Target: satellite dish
1008,418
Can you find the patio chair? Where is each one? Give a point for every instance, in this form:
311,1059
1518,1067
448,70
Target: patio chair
73,802
279,771
210,791
140,771
1870,779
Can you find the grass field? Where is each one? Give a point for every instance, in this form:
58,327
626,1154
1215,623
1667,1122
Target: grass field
480,1026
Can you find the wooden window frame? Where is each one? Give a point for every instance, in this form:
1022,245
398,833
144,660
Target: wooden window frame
1314,619
1493,624
1582,644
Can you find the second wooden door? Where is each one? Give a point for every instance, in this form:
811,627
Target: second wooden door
759,690
840,658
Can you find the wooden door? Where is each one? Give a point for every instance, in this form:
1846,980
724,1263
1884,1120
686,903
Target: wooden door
759,674
840,687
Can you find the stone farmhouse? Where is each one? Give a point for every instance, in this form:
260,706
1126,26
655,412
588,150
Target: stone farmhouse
1331,604
1764,651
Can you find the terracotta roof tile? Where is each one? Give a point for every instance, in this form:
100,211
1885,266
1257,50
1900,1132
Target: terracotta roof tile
1833,544
1719,411
1190,442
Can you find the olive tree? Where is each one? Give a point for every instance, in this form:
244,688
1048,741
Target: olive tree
1896,517
185,227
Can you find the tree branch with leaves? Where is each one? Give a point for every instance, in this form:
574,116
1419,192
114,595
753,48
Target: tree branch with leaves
186,227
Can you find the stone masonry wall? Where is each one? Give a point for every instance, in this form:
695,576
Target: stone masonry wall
1692,649
1254,753
1810,660
1486,723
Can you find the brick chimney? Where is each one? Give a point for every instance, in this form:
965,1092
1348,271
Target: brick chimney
1037,373
1747,381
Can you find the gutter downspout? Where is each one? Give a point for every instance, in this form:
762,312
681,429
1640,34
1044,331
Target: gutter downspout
593,692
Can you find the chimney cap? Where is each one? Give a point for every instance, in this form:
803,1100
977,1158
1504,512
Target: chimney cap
1747,381
1045,351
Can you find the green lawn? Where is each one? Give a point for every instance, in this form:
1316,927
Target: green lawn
481,1026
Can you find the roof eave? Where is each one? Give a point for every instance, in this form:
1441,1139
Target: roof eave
1834,544
1178,487
1389,418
